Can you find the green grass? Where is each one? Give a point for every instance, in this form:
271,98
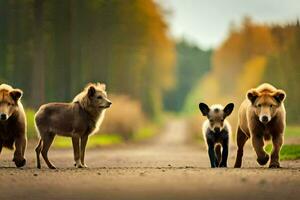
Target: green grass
94,141
31,133
288,151
145,133
292,131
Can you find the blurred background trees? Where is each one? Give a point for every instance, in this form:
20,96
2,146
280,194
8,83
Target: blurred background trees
52,49
252,54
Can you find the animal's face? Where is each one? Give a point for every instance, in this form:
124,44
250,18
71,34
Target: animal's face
266,104
98,96
216,115
9,103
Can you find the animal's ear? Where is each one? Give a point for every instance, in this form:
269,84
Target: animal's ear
279,96
204,109
91,91
228,109
252,95
16,94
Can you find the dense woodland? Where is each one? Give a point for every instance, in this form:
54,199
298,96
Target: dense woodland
192,63
252,54
51,49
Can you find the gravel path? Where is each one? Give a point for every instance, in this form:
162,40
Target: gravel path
167,168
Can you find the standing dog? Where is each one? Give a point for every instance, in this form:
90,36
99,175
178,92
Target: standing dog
262,117
216,130
12,123
78,119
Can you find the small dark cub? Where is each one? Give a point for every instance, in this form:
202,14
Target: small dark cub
216,131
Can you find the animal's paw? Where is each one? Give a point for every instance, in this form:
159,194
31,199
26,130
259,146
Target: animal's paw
84,166
274,165
79,165
52,167
263,160
19,162
223,165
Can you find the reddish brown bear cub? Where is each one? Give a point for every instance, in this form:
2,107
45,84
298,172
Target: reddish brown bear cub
12,123
262,117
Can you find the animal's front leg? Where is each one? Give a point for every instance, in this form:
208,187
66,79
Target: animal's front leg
212,155
258,145
277,143
76,151
1,145
224,153
20,144
84,140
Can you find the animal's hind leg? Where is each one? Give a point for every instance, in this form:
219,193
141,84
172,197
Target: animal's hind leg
47,141
38,150
218,154
241,138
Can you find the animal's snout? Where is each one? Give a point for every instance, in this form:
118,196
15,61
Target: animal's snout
265,119
3,116
217,129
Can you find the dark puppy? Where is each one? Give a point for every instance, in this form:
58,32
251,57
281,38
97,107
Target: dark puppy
216,131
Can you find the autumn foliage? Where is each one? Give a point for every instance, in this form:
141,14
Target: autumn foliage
252,54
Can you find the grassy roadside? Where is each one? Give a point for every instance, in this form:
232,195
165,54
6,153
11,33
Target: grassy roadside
104,140
288,151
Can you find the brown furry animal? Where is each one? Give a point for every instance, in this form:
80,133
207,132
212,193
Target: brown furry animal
262,117
78,119
12,123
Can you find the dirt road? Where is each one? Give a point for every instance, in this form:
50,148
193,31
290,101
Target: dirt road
167,168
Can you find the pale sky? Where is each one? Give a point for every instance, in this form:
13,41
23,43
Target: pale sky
206,22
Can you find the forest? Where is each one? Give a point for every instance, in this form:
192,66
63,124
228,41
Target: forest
52,49
252,54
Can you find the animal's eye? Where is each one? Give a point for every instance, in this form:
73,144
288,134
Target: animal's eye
99,97
259,105
9,104
271,106
211,120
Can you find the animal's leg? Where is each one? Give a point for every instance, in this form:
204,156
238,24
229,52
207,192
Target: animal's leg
19,159
47,141
83,143
258,145
241,139
76,151
224,153
218,154
277,143
212,155
1,145
38,152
